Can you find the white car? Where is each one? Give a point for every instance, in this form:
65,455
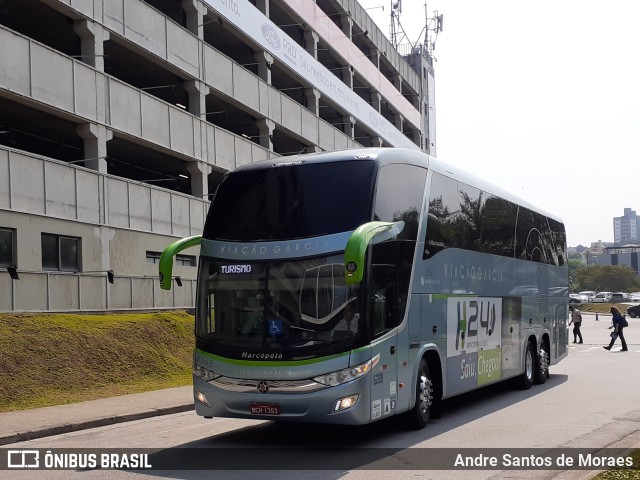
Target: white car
602,297
634,297
580,297
589,294
573,298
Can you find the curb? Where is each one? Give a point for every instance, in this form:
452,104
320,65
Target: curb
15,437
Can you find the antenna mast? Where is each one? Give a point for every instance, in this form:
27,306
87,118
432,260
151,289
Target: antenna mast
433,25
396,32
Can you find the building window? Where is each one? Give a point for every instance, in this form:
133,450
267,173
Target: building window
60,253
181,260
7,247
153,257
186,260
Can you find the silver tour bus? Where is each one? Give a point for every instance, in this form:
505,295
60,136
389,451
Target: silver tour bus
351,286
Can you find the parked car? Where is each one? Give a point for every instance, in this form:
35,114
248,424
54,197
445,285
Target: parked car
634,297
580,297
602,297
618,297
589,294
634,311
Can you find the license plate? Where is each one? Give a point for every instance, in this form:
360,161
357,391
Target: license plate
264,408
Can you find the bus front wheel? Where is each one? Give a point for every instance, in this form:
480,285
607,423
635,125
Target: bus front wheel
418,416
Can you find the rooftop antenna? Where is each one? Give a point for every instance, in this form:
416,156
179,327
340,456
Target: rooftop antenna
433,25
396,32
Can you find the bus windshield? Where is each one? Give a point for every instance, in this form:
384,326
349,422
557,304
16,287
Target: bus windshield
285,202
290,309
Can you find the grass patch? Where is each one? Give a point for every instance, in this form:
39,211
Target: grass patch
601,307
622,474
53,359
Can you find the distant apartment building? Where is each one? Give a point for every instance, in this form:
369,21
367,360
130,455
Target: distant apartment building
626,235
118,119
626,229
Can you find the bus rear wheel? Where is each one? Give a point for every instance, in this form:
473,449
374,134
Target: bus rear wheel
418,416
526,379
542,365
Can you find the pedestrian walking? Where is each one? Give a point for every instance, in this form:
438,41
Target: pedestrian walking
618,325
576,320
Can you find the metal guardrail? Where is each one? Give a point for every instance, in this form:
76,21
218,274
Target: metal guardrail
78,292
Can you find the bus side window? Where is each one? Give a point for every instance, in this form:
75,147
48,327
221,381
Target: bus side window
384,302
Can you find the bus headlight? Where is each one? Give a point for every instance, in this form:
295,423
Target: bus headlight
344,403
348,374
204,374
201,398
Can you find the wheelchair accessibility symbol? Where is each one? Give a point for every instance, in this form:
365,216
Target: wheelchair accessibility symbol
275,327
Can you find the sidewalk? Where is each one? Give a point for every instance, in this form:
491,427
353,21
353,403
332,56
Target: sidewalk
43,422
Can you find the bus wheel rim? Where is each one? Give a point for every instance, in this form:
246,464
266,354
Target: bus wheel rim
425,394
544,361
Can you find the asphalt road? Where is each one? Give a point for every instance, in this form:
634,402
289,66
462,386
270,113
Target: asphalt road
591,400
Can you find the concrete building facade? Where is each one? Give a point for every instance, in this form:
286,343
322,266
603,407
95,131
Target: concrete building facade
118,119
626,229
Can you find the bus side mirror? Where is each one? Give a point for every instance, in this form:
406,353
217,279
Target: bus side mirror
166,259
354,253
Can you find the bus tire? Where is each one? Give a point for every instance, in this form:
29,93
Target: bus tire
526,379
418,417
542,365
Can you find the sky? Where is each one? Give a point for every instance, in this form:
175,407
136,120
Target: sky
540,98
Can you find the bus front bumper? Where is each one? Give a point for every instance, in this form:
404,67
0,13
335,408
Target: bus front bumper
315,407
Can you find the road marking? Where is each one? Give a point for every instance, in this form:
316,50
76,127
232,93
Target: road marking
596,349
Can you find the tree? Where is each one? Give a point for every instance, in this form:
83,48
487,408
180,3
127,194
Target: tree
574,266
577,256
607,278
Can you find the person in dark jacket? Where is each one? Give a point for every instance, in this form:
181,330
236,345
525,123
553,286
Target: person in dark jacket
619,322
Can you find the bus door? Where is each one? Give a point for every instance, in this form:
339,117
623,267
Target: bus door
383,315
